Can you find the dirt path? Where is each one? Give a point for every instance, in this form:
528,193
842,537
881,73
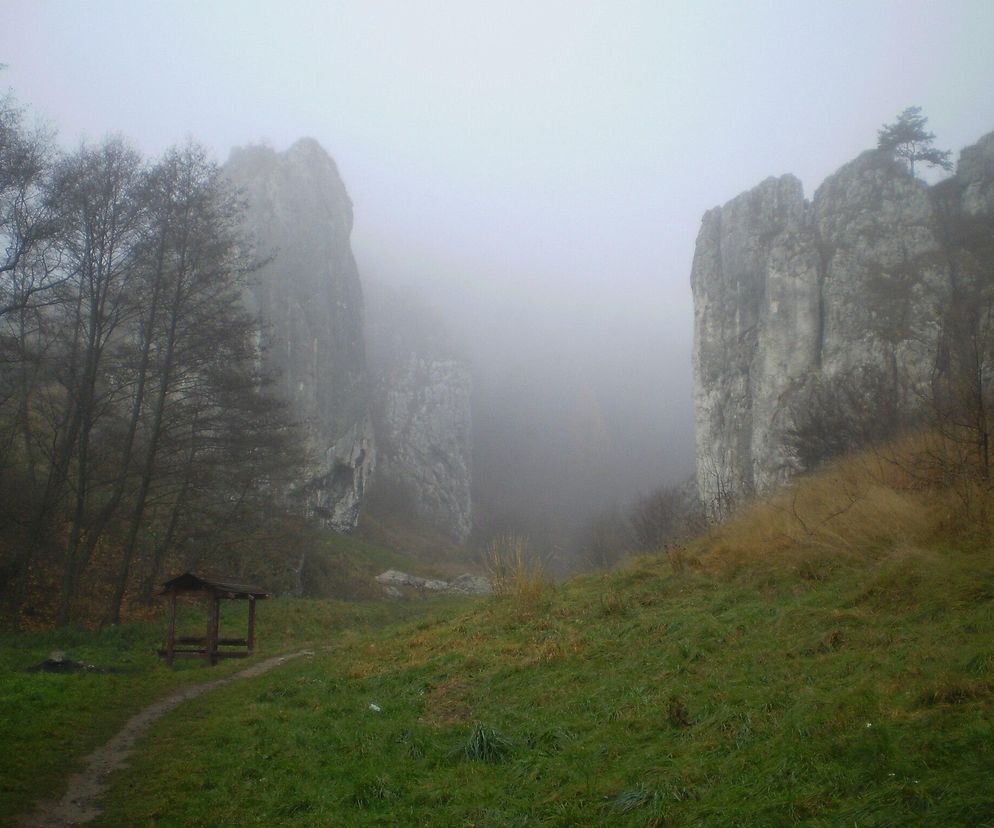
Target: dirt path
79,804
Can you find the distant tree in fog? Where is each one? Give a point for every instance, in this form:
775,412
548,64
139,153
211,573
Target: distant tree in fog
606,539
961,403
664,515
27,223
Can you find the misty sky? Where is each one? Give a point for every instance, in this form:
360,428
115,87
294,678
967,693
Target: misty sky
538,168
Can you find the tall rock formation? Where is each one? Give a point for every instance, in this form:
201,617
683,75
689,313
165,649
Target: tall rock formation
422,393
788,291
309,298
425,438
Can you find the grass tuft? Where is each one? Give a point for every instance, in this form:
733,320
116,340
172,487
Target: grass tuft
376,790
633,798
514,570
486,745
955,690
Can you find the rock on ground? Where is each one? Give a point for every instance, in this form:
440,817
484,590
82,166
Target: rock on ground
467,584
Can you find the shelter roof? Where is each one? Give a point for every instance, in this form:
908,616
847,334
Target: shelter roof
189,582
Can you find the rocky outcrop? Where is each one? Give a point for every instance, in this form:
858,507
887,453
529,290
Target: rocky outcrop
976,172
787,291
422,397
425,438
309,299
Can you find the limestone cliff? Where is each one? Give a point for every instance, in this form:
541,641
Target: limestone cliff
786,290
422,393
309,299
425,438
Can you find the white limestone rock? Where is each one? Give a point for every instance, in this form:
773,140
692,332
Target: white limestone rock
426,438
309,300
976,170
787,290
467,584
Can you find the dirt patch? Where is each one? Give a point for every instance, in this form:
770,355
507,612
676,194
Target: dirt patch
448,703
79,805
58,663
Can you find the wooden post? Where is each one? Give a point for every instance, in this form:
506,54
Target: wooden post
251,624
210,651
217,627
171,643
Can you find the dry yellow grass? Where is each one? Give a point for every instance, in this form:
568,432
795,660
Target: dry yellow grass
515,570
888,501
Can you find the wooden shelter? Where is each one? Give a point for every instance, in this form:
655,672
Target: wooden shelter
207,647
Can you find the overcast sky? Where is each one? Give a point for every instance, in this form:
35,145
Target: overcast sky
542,164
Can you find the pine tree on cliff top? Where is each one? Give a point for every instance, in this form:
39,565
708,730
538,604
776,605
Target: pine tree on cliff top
908,138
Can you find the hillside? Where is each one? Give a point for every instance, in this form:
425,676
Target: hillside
823,658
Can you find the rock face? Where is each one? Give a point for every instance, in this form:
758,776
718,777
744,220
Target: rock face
976,172
787,290
424,423
422,412
309,298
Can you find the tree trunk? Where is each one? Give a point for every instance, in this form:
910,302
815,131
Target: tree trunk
148,469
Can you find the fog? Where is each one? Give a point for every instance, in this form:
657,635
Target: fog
536,170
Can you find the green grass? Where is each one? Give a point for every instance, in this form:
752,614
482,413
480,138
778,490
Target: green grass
50,721
856,693
344,566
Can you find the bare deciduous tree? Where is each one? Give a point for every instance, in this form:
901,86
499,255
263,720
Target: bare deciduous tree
131,399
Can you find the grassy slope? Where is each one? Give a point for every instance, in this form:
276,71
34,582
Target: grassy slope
823,688
826,658
50,721
345,566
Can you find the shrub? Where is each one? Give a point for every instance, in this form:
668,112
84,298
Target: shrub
665,515
835,415
606,539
